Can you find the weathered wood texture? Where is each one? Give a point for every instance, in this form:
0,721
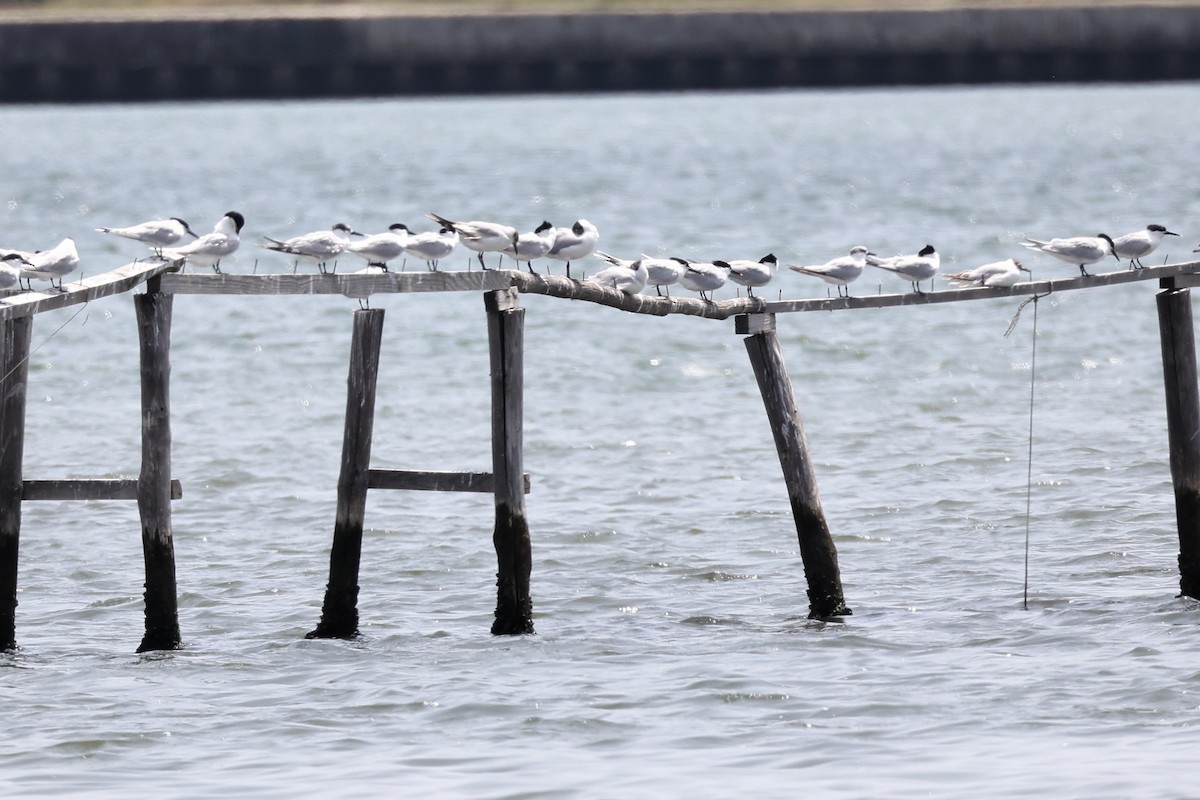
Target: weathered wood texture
817,550
154,482
88,489
339,615
557,286
14,372
958,295
425,481
345,283
506,342
1183,427
19,304
553,285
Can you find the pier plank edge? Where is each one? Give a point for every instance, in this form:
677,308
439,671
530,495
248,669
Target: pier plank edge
122,279
360,286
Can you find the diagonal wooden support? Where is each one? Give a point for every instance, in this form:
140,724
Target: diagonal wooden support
825,598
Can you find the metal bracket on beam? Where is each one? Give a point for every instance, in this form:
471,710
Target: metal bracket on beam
750,324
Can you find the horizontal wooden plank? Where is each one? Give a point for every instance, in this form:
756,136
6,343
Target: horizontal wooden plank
425,481
350,284
18,304
88,489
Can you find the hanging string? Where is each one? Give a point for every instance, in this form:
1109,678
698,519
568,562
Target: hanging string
1029,458
69,320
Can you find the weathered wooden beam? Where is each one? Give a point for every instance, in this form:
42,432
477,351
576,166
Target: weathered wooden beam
14,372
19,304
1178,338
339,614
958,295
345,283
506,342
88,489
426,481
557,286
817,550
154,489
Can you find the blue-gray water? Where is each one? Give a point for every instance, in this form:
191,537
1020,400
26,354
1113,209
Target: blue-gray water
673,656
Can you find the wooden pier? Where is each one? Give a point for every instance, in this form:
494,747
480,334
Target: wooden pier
755,319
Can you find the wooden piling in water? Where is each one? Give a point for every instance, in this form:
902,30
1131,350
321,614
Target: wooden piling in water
14,371
154,487
339,615
817,551
506,341
1183,425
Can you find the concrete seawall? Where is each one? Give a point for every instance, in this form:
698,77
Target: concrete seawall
342,56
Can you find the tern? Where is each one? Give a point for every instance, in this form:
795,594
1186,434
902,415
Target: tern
535,244
482,237
628,277
209,249
662,272
380,248
10,269
318,247
432,246
573,243
702,278
921,267
996,274
1081,250
46,265
1133,246
841,271
751,273
157,233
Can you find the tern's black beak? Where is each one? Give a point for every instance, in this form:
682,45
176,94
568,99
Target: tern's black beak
1112,247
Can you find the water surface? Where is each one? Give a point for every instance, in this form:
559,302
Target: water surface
673,655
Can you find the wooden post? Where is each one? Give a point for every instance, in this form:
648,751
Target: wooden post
339,615
154,482
817,550
506,340
1183,426
14,371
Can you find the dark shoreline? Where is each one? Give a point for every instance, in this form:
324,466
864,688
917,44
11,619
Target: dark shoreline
382,56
